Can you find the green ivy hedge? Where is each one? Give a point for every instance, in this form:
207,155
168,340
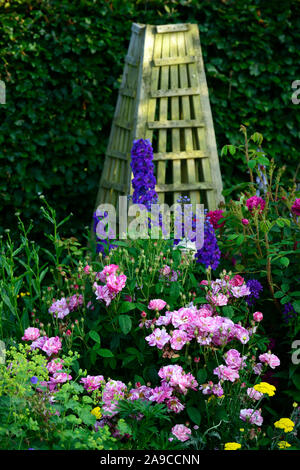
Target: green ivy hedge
62,63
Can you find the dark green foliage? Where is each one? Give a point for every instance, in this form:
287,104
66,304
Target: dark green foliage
62,62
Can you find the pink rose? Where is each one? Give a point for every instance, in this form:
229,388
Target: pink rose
255,202
237,280
157,304
271,359
257,316
31,334
245,221
181,432
296,207
214,217
158,338
226,373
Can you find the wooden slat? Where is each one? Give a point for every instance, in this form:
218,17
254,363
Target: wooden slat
129,59
175,115
179,156
186,114
113,184
161,188
125,91
211,168
137,28
175,91
118,154
173,60
164,124
163,116
119,121
170,28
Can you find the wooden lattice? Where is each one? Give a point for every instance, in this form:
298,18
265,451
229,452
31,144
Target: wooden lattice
164,97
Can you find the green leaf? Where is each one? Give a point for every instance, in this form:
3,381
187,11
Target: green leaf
95,336
194,415
105,353
296,380
240,239
125,324
296,305
252,164
201,376
126,307
284,261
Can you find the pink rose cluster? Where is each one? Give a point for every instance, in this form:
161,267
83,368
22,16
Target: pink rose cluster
255,202
222,291
190,323
50,346
174,382
113,284
61,308
225,372
92,382
113,391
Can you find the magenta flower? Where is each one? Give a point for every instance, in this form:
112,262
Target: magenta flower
245,221
233,359
271,359
52,346
107,271
92,382
175,405
257,316
157,304
253,417
116,283
31,334
181,432
254,394
158,338
214,217
296,207
60,378
226,373
59,308
255,202
179,339
55,365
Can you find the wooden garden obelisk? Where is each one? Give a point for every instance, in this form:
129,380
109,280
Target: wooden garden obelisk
164,97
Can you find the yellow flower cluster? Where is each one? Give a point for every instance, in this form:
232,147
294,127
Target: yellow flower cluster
97,412
264,387
23,294
285,423
283,445
232,446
